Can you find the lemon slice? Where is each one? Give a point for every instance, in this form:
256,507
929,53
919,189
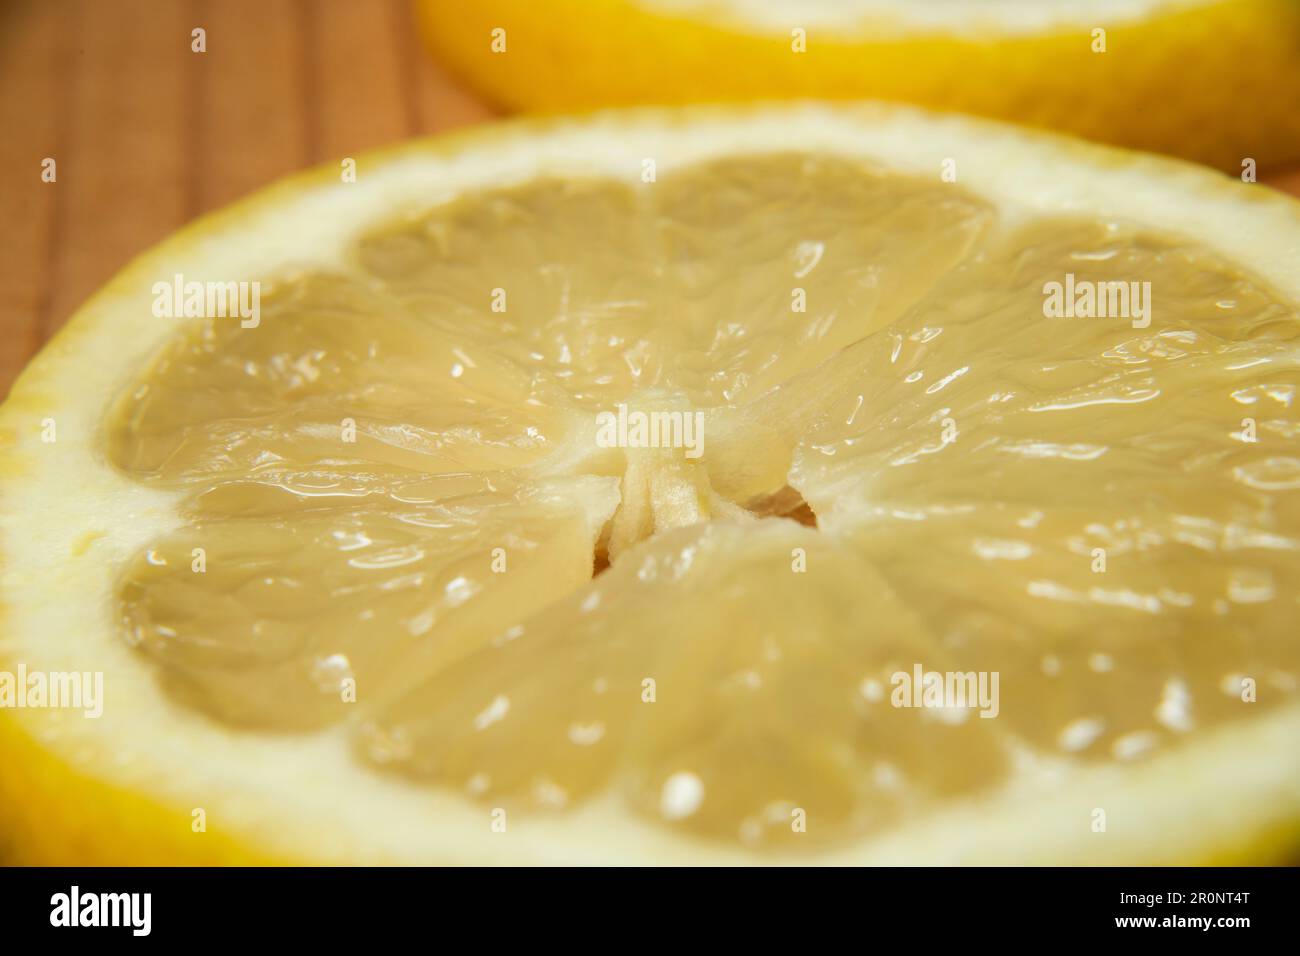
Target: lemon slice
1210,80
620,489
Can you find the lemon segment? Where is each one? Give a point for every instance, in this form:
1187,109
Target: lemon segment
563,709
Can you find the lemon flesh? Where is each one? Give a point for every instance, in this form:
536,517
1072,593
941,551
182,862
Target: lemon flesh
371,552
1068,502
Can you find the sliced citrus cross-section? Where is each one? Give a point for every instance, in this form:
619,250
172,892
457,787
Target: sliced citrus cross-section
715,485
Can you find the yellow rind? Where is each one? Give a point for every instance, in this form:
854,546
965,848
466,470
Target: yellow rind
1214,81
54,816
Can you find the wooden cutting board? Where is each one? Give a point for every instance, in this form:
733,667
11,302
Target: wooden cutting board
147,134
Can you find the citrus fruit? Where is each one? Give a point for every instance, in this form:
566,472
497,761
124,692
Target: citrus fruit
1210,80
805,483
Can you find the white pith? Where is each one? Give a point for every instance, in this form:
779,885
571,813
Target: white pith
886,17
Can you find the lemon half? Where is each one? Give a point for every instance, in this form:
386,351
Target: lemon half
379,573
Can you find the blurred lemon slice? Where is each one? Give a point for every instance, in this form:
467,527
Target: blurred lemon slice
969,529
1210,80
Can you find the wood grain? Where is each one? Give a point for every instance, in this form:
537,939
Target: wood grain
147,134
